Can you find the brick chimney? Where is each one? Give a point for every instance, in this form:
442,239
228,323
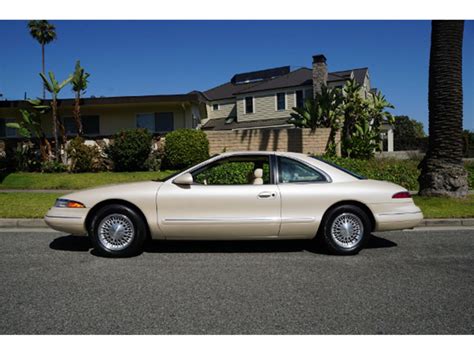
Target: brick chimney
320,73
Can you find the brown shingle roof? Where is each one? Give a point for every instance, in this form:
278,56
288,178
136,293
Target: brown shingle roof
299,77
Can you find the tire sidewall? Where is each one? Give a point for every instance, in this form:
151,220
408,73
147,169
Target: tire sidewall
135,246
327,236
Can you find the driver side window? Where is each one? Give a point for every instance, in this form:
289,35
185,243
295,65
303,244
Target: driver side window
252,170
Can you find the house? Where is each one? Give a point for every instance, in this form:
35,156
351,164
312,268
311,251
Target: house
265,99
255,100
104,116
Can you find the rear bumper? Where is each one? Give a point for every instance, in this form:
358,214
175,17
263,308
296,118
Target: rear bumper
396,221
396,216
68,220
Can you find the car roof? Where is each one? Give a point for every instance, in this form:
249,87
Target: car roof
262,152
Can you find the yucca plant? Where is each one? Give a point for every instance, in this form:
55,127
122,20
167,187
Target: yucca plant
79,85
29,126
54,87
308,116
364,141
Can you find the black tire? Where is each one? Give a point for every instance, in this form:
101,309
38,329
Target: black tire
134,224
355,215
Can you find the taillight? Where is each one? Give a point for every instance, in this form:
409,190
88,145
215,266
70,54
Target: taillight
402,194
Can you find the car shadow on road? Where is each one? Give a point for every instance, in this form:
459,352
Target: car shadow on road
83,244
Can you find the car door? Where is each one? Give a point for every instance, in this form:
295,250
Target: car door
304,197
225,201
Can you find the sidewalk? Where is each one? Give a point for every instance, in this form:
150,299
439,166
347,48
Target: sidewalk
9,223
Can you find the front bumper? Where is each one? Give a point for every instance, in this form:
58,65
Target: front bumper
68,220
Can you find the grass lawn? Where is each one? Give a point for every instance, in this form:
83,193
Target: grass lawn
65,181
441,207
35,205
26,204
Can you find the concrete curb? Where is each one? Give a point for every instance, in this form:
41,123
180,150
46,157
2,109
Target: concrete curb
22,223
39,223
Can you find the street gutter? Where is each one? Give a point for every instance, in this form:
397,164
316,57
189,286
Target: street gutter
25,223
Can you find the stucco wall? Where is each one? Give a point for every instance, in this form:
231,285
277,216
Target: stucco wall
292,140
113,118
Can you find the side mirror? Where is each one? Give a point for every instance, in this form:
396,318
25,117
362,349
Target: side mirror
185,179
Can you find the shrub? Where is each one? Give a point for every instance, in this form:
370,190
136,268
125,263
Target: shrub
153,162
52,166
130,149
185,147
27,158
232,173
401,172
84,158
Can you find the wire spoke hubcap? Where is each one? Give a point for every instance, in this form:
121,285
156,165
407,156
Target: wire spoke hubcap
116,232
347,230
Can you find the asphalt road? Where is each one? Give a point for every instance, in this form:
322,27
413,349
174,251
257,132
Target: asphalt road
403,283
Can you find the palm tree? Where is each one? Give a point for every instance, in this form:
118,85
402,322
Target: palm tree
44,33
54,88
79,85
442,171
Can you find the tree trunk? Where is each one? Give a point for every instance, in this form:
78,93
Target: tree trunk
43,70
77,113
55,129
442,170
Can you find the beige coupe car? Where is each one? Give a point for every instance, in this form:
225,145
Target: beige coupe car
236,196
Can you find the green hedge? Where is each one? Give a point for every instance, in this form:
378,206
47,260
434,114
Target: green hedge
184,148
231,173
130,149
401,172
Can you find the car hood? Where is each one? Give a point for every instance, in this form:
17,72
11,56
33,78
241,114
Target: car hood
129,191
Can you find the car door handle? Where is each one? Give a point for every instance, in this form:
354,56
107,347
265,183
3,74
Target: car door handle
266,194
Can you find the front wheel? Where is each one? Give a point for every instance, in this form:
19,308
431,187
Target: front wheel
118,231
346,229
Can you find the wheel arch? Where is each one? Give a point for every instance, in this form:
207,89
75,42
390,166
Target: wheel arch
98,206
359,204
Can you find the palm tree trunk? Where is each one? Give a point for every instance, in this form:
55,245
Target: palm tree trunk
77,113
55,129
442,170
43,69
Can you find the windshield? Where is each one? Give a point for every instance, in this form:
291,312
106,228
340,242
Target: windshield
351,173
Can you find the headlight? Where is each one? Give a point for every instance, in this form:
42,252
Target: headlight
63,203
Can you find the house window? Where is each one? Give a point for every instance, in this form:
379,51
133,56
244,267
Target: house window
90,125
5,131
156,122
164,121
215,107
299,98
281,101
249,104
146,120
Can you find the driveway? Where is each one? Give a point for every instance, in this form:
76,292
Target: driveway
405,282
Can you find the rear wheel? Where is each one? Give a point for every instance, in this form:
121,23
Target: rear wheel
346,229
118,231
